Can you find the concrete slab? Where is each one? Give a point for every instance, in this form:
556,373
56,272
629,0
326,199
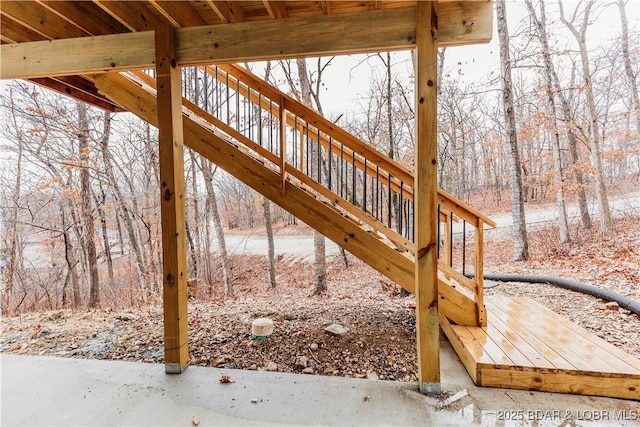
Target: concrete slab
57,391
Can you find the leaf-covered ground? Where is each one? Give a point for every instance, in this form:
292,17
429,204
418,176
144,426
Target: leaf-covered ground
381,338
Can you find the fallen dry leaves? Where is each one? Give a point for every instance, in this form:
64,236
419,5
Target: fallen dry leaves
381,320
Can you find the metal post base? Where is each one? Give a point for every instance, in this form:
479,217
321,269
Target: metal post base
430,388
174,368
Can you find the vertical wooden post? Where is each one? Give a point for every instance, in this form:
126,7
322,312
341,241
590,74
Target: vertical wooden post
282,115
172,203
478,273
425,200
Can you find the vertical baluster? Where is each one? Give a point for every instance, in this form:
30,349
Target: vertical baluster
197,85
364,186
377,190
238,106
205,83
306,147
451,239
270,127
464,246
319,157
413,221
389,200
353,178
340,182
259,119
302,145
330,154
249,119
438,233
228,98
295,139
400,208
218,95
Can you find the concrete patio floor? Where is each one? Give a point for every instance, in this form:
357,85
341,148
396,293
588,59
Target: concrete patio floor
57,391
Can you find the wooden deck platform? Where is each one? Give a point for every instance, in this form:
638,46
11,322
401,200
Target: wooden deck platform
527,346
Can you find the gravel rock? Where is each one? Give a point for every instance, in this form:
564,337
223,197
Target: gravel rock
335,329
301,362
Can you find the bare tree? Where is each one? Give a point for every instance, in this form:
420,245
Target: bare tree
85,206
268,223
626,59
606,222
12,255
212,209
320,265
521,246
541,30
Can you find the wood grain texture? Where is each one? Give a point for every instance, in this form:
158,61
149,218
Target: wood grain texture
425,197
526,346
172,202
368,31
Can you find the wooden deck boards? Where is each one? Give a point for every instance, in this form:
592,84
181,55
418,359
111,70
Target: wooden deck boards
527,346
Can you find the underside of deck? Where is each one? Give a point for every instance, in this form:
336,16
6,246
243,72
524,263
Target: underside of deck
527,346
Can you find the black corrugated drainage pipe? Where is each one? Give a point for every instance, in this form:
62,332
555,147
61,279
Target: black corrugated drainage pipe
624,302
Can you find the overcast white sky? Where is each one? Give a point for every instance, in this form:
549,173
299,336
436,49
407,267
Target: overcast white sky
344,92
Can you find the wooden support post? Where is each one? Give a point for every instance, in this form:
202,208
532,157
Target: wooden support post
172,203
478,273
282,115
425,200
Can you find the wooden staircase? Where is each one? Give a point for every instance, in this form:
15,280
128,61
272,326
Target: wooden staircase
347,190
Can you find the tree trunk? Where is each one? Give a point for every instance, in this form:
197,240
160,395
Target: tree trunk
12,261
541,30
271,261
207,174
70,259
572,142
105,234
521,246
268,223
320,266
627,65
85,207
606,222
123,210
198,270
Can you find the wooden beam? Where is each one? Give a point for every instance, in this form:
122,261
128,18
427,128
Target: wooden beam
14,32
77,88
87,16
228,12
172,205
425,199
78,55
375,30
314,36
179,13
40,19
134,15
276,9
326,7
464,22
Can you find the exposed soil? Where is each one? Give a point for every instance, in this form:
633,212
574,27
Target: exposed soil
381,338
